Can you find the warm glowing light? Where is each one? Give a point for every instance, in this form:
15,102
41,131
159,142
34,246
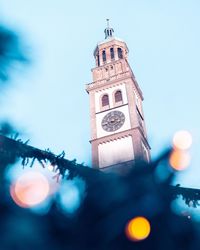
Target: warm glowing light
138,229
179,159
30,189
182,140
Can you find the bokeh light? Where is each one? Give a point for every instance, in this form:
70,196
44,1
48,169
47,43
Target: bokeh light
182,140
30,189
51,167
70,195
138,229
179,159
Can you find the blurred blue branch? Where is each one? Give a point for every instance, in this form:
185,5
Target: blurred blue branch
11,52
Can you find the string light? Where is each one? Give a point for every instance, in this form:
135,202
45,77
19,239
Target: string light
138,229
182,140
179,159
30,189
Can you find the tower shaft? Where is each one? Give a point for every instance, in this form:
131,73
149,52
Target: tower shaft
118,131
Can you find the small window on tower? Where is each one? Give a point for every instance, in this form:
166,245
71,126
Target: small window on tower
98,61
112,55
104,55
118,97
120,54
105,101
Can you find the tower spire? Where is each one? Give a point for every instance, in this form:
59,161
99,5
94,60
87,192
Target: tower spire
108,31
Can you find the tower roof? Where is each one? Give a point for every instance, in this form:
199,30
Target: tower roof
108,30
109,36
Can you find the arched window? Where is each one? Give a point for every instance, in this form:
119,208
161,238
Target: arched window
105,101
118,96
104,55
112,55
120,54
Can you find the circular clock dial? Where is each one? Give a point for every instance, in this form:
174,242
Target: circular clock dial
113,121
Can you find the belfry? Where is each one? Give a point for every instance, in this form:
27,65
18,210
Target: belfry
118,132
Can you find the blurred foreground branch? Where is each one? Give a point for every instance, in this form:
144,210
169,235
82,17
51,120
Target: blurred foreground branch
11,52
109,203
12,149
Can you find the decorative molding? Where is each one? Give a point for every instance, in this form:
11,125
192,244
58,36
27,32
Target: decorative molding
113,137
105,82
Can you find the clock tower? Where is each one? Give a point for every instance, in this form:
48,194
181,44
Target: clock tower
118,132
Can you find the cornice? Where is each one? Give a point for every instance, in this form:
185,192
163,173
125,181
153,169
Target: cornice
98,85
113,137
115,107
107,83
120,135
114,79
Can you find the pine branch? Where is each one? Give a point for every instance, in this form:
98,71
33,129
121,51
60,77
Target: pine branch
191,196
11,148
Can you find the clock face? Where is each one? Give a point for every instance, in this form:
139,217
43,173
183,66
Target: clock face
113,121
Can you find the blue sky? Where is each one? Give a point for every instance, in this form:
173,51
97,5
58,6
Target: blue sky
47,101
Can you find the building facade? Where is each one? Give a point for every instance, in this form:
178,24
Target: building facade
118,132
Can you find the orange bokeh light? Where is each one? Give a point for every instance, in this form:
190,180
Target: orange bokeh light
179,159
182,140
138,229
30,189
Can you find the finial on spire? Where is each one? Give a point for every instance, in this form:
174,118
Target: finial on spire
108,24
108,31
